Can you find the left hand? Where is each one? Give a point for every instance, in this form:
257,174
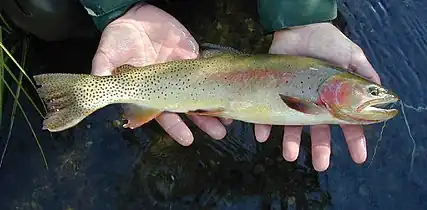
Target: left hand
323,41
146,35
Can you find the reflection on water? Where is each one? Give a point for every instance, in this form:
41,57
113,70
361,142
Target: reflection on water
99,165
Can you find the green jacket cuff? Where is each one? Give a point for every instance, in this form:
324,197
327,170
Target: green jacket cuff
280,14
105,11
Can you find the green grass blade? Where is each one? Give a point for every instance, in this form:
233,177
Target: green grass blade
5,23
1,75
12,120
26,75
3,60
26,119
15,102
23,89
17,64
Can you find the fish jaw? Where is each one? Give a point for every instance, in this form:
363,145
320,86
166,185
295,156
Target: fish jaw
354,99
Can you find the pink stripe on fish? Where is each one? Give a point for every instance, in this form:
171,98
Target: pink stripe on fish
241,76
335,92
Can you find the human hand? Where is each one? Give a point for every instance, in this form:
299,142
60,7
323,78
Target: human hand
147,35
326,42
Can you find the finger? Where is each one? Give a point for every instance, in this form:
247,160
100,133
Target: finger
360,64
262,132
176,128
291,142
210,125
188,49
101,65
320,146
226,121
356,142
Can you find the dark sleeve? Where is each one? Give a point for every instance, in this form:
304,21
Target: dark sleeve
105,11
279,14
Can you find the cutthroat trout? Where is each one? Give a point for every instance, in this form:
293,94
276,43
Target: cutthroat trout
254,88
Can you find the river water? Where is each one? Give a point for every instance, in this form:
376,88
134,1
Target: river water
99,165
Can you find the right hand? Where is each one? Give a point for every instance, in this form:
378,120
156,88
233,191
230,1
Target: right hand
146,35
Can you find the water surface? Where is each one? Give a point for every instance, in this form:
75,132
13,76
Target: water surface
99,165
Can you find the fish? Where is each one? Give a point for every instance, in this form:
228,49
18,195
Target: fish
254,88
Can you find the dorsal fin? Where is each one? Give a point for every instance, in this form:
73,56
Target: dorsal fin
209,50
123,68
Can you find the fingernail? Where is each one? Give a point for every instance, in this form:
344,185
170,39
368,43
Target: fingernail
290,151
358,151
185,137
321,162
261,138
217,132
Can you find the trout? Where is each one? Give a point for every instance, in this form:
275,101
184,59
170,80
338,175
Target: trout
254,88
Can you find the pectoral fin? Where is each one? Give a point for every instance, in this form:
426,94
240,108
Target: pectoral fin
213,112
137,116
304,106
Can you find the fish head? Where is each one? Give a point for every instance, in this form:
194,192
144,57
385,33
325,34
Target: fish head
354,99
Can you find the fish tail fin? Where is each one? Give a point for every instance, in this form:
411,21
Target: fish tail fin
62,94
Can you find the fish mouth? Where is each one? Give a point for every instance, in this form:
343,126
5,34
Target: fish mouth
380,106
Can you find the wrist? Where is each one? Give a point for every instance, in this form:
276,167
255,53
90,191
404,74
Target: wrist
308,25
299,30
294,39
104,12
141,13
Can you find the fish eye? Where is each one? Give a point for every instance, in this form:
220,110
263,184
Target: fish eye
374,91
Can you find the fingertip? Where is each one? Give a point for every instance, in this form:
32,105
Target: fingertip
359,159
356,142
262,132
290,151
321,157
320,146
184,137
377,79
176,128
361,65
358,152
291,142
101,66
218,133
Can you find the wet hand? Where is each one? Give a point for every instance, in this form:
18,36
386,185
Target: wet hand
326,42
147,35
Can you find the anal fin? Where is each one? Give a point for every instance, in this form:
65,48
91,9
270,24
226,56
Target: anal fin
300,105
137,115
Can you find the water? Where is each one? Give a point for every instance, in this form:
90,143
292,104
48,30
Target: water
99,165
